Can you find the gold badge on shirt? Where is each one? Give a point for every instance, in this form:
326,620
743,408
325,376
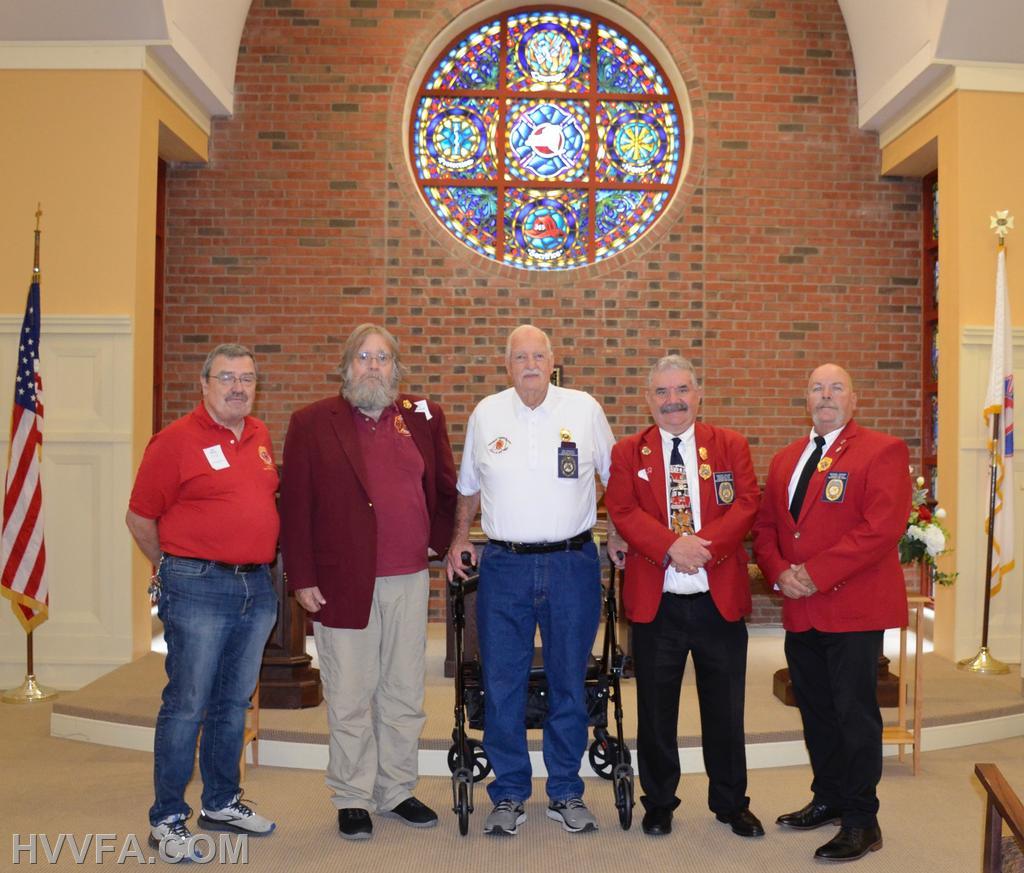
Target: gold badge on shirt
704,471
703,452
400,426
565,435
824,464
407,404
645,450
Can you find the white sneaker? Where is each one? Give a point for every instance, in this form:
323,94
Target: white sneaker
173,840
236,817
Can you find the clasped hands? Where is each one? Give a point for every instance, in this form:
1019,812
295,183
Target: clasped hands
689,553
796,582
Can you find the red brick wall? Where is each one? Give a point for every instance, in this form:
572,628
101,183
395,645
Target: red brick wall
784,248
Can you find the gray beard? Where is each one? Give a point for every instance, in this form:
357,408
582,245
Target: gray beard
370,394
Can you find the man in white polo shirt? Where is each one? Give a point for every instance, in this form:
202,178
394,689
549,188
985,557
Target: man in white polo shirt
529,460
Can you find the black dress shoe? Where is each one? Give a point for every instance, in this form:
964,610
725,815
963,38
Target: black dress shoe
850,844
355,824
413,813
657,822
744,823
812,816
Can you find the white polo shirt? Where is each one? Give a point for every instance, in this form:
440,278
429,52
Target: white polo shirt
511,457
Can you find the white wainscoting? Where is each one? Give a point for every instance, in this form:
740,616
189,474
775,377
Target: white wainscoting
87,368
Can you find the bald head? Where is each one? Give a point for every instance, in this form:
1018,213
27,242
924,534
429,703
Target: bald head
831,400
529,362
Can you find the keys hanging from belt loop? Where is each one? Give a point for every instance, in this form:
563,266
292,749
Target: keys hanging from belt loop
154,590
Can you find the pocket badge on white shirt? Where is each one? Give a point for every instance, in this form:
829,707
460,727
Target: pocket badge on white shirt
215,455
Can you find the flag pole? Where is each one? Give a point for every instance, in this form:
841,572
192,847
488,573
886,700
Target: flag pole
30,691
984,661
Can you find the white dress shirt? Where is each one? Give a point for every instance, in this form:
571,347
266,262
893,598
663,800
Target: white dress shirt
830,438
511,459
676,582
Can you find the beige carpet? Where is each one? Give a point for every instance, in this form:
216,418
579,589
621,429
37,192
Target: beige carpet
932,822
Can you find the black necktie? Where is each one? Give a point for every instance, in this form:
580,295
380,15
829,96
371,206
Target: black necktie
805,477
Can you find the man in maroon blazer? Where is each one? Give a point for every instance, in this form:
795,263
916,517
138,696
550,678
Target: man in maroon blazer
367,491
835,506
683,495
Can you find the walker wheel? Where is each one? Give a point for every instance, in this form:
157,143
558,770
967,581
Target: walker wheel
624,798
462,806
604,755
476,759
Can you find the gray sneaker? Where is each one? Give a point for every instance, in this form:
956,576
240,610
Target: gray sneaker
237,818
573,814
173,840
505,818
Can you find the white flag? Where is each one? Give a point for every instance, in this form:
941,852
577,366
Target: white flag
999,399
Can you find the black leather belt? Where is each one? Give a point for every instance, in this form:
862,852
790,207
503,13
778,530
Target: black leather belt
571,545
689,596
231,568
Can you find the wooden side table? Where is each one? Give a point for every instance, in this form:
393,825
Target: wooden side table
899,733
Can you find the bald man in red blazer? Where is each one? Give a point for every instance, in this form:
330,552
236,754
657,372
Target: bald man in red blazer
837,565
687,591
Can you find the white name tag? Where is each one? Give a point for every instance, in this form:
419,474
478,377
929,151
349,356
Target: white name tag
215,455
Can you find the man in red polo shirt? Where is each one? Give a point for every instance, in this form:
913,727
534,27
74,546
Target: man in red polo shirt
202,510
367,492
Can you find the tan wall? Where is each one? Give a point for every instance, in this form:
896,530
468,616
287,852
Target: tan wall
979,172
85,145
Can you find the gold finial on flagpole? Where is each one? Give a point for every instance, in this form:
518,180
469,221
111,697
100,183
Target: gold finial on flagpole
35,259
1002,224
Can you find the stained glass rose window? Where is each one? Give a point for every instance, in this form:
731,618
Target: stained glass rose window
546,139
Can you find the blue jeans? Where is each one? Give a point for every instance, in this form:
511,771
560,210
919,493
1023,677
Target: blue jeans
216,624
560,592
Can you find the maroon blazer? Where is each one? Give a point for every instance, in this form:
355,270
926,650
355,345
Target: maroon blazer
851,521
328,526
639,509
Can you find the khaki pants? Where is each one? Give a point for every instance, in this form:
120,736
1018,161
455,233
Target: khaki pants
373,686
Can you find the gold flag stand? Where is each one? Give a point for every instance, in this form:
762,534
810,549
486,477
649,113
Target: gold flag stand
984,661
30,691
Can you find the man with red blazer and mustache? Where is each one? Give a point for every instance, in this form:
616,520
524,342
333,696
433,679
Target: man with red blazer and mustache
683,495
835,506
367,492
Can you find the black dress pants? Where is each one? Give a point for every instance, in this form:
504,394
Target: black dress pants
691,625
835,678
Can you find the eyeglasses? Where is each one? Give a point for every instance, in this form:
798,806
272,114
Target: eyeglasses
380,357
226,379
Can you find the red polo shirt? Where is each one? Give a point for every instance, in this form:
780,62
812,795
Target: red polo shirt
211,495
394,470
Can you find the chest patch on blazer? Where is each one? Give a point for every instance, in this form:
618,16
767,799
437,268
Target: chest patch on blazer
725,490
835,487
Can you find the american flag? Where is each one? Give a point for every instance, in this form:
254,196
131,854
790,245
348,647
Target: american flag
23,551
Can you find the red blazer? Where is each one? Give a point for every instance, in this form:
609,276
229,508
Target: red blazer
638,507
328,526
851,521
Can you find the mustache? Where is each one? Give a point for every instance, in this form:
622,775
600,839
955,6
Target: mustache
675,407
